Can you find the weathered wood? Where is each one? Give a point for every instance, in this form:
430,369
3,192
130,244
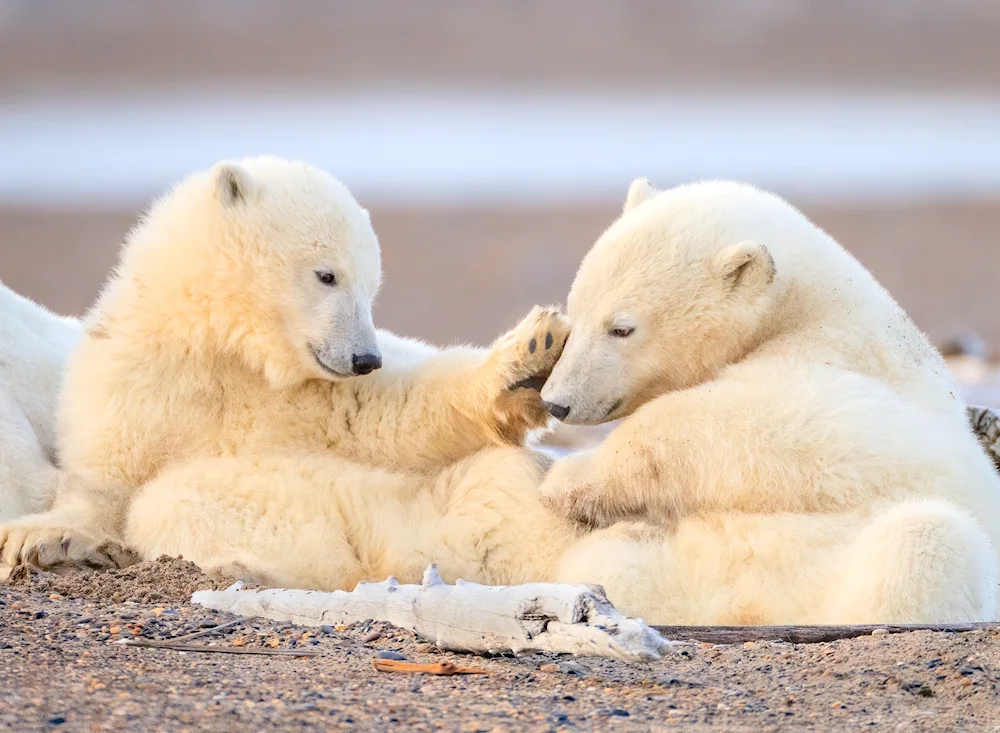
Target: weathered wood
802,634
986,424
219,649
444,669
465,617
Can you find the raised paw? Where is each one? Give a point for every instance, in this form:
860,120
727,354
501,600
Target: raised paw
51,546
532,348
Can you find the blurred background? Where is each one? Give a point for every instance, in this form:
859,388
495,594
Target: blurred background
493,142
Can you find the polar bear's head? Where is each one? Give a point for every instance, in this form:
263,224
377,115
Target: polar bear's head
272,259
677,288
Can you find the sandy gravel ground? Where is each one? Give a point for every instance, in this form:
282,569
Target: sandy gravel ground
62,668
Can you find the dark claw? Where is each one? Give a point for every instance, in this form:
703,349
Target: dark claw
536,381
532,345
548,341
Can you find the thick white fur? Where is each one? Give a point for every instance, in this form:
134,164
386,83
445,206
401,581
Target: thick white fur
794,434
202,416
35,346
820,473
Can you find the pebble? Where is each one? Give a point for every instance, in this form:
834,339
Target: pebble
386,654
371,636
425,648
548,668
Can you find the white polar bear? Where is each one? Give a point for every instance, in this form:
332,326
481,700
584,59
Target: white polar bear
795,434
210,410
35,346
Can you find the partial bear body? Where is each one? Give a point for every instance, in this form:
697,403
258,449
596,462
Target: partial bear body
35,346
798,437
210,410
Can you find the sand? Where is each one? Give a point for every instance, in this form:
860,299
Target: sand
62,666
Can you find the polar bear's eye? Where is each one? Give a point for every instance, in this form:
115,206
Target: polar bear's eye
622,332
326,277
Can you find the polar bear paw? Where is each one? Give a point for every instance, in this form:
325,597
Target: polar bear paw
572,489
528,353
47,546
520,362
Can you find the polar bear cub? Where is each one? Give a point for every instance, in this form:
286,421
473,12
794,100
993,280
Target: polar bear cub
233,402
782,417
35,346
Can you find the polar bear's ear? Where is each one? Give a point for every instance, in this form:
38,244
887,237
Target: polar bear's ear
639,192
745,264
233,185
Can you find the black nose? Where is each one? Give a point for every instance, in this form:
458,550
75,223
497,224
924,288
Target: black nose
559,412
366,363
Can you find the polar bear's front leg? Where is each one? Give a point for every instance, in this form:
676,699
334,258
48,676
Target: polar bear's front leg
450,404
575,488
80,530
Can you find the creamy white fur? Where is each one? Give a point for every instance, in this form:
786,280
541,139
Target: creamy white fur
198,419
790,459
35,345
796,436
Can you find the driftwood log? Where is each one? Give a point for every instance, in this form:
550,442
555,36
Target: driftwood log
802,634
468,617
465,617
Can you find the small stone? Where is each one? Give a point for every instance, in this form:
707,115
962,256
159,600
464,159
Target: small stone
327,630
58,720
115,630
371,636
385,654
918,688
40,614
54,597
425,648
880,632
548,668
966,671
